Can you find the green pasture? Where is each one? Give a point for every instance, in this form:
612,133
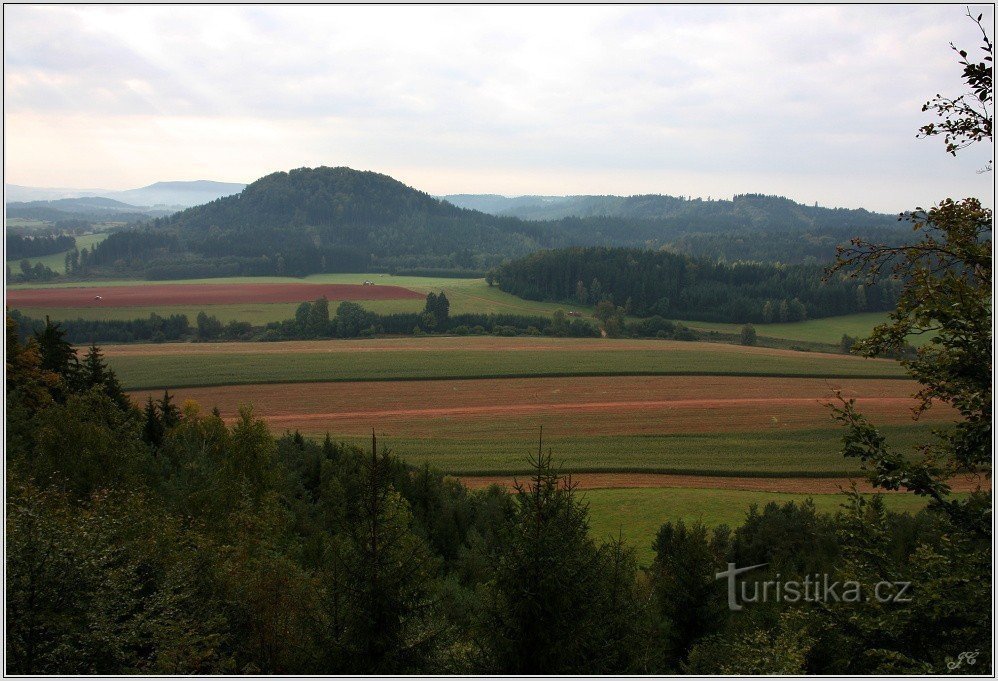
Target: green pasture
57,261
674,358
637,514
766,452
827,330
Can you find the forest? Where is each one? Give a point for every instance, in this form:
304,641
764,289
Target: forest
676,286
176,542
32,247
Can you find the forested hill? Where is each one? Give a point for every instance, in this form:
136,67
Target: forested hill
335,219
676,286
744,211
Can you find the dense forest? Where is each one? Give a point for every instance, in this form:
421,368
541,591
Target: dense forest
174,539
341,220
743,211
676,286
32,247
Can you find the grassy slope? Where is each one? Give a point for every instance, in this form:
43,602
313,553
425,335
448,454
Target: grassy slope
57,261
637,514
667,358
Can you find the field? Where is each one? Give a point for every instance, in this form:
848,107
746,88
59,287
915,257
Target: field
663,429
636,514
465,295
730,425
189,365
168,295
57,261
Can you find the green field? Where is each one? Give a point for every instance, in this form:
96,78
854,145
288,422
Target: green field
637,514
187,369
57,261
773,453
465,295
828,330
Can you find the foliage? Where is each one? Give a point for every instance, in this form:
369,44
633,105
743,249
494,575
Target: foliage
968,118
679,287
947,293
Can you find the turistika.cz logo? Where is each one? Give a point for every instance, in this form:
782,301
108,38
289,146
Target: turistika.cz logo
815,588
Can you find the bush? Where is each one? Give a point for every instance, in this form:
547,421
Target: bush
748,335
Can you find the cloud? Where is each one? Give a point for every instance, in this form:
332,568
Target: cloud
820,103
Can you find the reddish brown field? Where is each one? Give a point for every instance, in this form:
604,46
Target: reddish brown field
193,294
785,485
615,405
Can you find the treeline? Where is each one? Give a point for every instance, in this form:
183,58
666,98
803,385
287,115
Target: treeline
677,286
169,539
28,271
85,331
313,320
36,246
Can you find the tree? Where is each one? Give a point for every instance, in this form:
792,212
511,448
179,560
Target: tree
611,317
967,118
946,292
57,355
152,428
946,283
209,327
436,312
556,599
748,335
169,412
94,373
687,592
389,610
318,317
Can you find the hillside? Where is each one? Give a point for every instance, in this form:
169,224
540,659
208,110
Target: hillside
742,212
324,219
338,219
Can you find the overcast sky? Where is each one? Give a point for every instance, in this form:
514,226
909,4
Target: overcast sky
815,103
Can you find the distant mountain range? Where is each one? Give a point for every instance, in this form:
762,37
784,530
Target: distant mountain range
169,196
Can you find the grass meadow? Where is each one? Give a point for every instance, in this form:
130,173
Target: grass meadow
637,514
57,261
339,361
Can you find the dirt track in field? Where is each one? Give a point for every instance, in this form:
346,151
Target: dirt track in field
615,405
194,294
785,485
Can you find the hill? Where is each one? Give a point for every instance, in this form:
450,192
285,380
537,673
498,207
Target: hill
162,195
313,220
180,194
329,219
87,209
743,211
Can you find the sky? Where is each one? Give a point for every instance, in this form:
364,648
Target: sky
817,103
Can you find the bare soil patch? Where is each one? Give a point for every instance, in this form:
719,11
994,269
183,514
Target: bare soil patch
193,294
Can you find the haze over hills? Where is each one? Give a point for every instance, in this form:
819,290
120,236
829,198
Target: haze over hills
174,195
